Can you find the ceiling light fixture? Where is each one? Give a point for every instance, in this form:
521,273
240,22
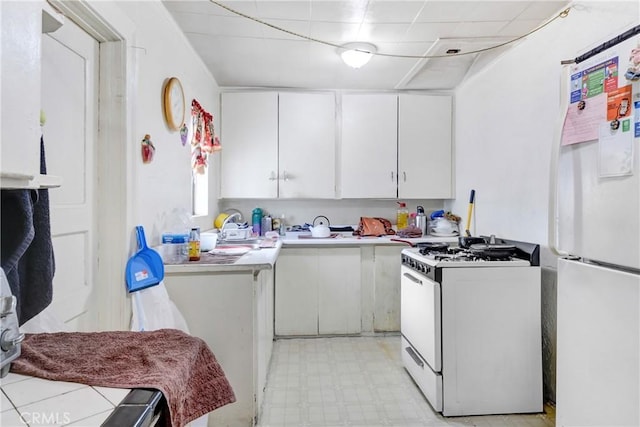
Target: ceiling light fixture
357,54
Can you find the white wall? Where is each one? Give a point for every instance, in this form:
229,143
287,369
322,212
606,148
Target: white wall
162,51
506,116
339,212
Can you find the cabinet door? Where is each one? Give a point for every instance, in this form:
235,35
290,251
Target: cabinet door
249,137
386,292
339,294
307,145
296,297
424,147
368,161
20,102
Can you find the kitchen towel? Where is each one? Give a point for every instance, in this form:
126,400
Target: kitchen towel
181,366
26,247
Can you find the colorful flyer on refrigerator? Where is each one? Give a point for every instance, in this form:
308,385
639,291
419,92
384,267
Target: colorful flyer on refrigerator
636,124
619,103
592,81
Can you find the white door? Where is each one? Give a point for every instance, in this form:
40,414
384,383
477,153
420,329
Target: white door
69,96
598,346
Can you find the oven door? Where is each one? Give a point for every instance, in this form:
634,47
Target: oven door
420,316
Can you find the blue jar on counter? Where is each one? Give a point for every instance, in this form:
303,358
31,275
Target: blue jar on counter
256,221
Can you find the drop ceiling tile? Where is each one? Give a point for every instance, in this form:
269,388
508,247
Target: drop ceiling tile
299,27
542,10
339,11
409,48
447,11
423,31
247,7
288,9
219,25
393,11
518,28
207,7
382,32
497,10
335,32
479,29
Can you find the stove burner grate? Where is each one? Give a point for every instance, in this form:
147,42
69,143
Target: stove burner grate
460,254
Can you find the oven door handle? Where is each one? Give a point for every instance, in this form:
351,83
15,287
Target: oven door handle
413,279
414,356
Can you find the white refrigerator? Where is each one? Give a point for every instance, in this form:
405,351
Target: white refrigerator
594,227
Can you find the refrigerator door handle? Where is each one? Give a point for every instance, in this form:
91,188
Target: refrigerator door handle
555,158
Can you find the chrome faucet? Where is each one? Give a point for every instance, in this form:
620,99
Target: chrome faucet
223,234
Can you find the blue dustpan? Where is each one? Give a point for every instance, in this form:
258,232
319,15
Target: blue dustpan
145,268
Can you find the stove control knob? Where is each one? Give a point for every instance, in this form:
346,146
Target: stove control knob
9,341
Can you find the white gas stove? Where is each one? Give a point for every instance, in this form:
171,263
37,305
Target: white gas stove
471,327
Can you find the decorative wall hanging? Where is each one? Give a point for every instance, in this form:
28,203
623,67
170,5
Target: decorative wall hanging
173,103
204,140
184,132
147,149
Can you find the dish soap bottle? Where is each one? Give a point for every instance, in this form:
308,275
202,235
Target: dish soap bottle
402,216
194,244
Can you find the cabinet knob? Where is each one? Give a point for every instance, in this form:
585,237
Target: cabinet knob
392,179
404,176
272,176
285,177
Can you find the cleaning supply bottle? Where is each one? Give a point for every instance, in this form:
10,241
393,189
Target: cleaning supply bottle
256,221
421,220
402,216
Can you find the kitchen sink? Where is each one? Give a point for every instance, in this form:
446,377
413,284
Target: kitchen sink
228,245
241,242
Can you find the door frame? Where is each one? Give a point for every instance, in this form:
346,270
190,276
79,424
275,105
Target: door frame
115,33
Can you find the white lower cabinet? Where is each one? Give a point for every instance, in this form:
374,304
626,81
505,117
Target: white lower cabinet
386,288
233,313
318,291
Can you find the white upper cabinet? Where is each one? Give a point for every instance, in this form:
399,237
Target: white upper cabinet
307,145
424,147
278,145
21,25
249,137
369,145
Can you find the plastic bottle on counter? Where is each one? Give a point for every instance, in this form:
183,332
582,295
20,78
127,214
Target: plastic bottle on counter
402,216
282,229
256,221
194,244
267,224
421,220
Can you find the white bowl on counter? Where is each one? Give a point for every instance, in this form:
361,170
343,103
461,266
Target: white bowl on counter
208,241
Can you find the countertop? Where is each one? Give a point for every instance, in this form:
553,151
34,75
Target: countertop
265,258
55,403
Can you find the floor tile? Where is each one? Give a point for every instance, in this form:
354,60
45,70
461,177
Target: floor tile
353,382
